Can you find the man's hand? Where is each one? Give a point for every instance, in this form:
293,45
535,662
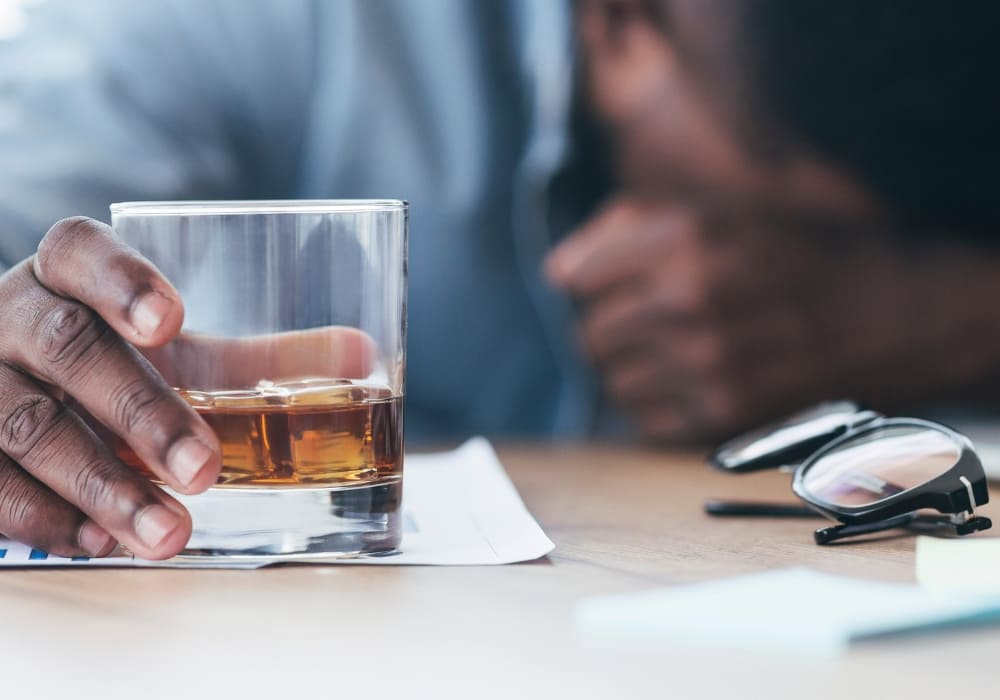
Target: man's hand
89,320
701,328
71,316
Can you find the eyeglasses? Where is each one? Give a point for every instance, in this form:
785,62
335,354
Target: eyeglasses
866,471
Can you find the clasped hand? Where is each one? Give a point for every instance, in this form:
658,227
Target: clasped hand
704,326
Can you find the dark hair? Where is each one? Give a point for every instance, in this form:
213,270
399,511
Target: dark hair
902,94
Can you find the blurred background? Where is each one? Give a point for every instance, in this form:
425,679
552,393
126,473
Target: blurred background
13,16
664,221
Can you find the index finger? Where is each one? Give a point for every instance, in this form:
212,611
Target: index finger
84,259
618,243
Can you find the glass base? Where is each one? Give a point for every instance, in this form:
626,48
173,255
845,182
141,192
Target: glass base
299,522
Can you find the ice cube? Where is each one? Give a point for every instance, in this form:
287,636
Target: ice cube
249,398
318,391
197,399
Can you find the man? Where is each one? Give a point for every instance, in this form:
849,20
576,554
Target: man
745,261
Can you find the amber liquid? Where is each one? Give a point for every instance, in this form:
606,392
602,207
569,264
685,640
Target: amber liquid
312,433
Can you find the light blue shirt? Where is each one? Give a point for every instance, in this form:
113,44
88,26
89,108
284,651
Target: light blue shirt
459,107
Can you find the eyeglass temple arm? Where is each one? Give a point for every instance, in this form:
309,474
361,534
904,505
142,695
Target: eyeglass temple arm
826,535
721,508
964,526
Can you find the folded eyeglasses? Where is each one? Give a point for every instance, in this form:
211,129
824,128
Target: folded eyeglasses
864,470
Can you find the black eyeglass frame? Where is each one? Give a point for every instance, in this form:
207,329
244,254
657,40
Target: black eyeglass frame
955,493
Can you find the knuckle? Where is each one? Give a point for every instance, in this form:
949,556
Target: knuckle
26,421
135,405
620,319
686,231
620,385
629,384
96,484
708,353
20,505
684,294
26,515
69,332
53,247
662,425
698,289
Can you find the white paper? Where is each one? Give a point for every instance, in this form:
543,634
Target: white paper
788,611
459,508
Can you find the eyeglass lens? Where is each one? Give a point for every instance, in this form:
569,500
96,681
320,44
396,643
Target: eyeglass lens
879,464
816,421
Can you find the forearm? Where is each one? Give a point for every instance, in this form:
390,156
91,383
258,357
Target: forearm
923,326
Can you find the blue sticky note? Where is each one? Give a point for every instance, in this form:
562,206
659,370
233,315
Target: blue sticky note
789,611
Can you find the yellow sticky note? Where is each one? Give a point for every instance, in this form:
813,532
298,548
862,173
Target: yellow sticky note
959,565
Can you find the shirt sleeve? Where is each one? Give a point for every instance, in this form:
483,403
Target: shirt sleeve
117,100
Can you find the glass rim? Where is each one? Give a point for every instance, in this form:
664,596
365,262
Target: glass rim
263,206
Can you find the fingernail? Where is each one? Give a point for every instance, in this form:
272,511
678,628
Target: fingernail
187,458
154,524
149,313
94,540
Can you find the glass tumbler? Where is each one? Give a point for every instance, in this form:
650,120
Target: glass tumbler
293,351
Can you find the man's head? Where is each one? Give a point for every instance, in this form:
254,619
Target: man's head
849,108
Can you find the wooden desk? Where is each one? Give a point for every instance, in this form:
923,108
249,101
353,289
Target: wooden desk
622,520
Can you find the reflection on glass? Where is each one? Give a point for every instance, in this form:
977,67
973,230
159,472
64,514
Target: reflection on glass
819,420
293,351
880,464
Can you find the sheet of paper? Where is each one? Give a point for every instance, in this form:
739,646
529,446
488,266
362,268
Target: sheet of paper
969,564
443,524
788,611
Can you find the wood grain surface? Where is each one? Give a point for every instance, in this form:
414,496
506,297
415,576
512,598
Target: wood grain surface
622,520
